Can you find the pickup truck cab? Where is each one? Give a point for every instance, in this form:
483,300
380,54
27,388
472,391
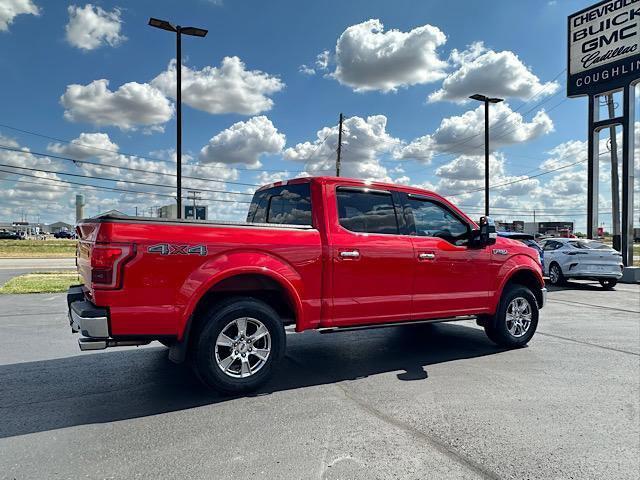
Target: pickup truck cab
322,253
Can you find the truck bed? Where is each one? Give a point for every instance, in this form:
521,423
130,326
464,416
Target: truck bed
174,261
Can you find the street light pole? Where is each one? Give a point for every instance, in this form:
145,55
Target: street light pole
486,100
179,119
179,31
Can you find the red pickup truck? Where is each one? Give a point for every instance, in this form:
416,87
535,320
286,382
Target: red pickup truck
316,253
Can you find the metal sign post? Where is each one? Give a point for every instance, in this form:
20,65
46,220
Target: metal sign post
603,56
627,121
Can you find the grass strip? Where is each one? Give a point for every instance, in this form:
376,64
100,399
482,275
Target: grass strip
42,282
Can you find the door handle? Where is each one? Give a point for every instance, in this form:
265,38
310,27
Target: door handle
426,256
350,254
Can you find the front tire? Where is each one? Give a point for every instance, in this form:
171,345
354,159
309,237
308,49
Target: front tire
237,346
556,277
516,319
608,283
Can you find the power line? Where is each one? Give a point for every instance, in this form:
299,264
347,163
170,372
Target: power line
107,165
538,92
471,147
452,150
119,152
519,180
116,180
114,189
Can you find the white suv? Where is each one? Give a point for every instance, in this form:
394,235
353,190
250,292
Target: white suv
573,258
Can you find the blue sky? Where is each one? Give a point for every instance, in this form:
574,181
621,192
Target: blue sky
256,115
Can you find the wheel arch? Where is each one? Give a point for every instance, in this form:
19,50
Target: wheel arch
525,276
267,287
241,272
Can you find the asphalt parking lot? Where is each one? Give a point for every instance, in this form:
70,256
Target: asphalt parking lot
405,402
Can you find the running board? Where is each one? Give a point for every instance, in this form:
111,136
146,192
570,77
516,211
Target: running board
395,324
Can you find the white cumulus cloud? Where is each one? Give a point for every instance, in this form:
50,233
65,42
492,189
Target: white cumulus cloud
91,27
9,9
495,74
230,88
244,143
130,106
87,145
368,58
364,142
464,134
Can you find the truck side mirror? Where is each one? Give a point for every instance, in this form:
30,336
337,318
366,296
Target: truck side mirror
488,233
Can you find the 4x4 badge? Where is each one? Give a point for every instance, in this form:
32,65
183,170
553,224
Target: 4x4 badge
175,249
500,251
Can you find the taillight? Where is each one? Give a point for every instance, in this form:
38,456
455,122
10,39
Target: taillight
106,264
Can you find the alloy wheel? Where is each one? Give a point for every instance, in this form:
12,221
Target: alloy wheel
519,315
243,347
554,274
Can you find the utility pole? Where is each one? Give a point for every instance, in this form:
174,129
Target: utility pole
179,31
179,119
339,147
615,193
486,100
136,210
194,194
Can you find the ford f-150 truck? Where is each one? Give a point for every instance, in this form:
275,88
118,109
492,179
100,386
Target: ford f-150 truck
322,253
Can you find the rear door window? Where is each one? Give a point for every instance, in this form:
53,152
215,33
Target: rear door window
366,211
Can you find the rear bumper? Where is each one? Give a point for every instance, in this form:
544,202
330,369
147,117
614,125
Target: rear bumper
582,270
92,322
583,274
543,297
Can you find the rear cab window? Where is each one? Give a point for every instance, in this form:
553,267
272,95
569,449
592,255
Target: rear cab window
282,205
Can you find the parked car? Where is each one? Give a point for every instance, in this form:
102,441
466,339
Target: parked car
6,235
526,238
572,258
317,253
64,234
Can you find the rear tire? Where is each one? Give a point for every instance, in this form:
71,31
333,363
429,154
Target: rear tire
237,345
608,283
516,319
556,277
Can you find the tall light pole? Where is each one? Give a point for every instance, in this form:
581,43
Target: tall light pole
179,31
487,101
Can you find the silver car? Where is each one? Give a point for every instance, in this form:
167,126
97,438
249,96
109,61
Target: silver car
574,258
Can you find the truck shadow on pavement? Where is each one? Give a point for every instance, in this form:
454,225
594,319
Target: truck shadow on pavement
119,385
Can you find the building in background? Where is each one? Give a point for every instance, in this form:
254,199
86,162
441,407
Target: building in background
555,229
514,226
197,212
24,228
58,227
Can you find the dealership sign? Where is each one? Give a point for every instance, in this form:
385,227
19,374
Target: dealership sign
604,47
